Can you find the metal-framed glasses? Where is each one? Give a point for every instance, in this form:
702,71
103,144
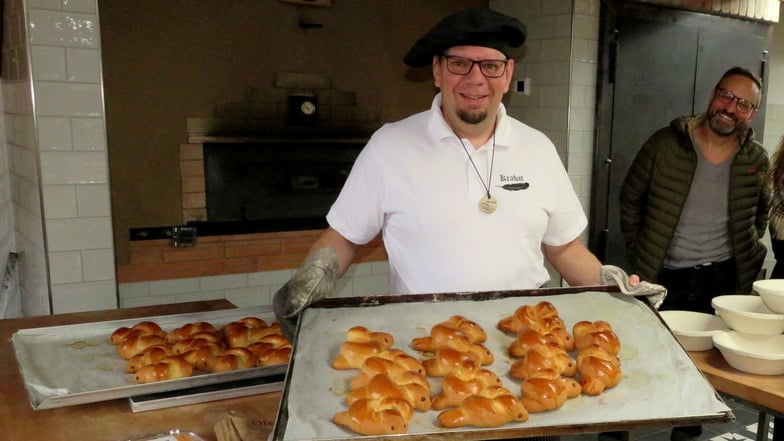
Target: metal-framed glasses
462,66
725,96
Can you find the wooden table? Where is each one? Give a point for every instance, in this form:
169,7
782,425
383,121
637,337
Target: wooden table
764,392
111,420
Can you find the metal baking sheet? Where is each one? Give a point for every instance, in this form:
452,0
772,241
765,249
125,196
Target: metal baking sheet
661,386
76,364
203,394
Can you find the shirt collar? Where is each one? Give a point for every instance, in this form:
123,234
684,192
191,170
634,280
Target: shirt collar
441,130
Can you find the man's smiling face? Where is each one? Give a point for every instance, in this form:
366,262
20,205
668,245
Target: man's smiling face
473,98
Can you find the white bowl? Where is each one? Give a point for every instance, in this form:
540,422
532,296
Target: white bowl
772,293
694,330
755,354
748,314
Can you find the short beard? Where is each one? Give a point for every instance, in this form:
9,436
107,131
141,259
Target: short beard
471,118
723,130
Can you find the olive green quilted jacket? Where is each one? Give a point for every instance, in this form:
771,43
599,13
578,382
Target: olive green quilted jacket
655,190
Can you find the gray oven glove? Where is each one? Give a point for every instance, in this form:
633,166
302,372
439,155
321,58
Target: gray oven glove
313,281
613,275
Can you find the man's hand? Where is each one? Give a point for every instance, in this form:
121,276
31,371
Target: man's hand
631,285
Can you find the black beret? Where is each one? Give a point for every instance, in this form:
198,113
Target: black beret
471,27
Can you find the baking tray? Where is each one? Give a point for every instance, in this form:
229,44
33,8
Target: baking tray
76,364
661,386
204,394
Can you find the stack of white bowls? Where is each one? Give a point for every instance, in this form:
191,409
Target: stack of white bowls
755,341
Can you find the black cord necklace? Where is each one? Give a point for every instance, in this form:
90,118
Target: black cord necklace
487,204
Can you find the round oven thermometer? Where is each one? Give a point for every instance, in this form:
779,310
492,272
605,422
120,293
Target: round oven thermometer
308,107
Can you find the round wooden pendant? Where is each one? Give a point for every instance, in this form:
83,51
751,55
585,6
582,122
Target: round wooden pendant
488,204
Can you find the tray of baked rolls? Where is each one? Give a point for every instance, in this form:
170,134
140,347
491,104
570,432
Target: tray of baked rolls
91,362
490,365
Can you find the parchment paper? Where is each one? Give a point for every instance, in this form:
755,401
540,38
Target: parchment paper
76,364
659,379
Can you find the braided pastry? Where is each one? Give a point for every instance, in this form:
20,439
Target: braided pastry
543,357
353,354
547,391
240,336
447,360
528,338
543,318
446,336
134,345
382,385
598,333
196,340
459,385
141,328
598,370
360,334
401,358
231,359
147,356
493,407
272,349
167,368
198,357
374,366
384,416
245,322
472,330
187,330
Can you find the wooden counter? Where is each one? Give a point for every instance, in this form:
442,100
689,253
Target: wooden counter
111,420
765,392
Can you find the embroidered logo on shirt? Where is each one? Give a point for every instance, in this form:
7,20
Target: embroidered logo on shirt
516,183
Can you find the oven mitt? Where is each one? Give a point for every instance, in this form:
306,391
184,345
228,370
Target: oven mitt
613,275
313,281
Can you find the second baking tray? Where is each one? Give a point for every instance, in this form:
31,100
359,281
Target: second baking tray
75,364
661,386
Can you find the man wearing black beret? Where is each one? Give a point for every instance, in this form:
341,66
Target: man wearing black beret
466,197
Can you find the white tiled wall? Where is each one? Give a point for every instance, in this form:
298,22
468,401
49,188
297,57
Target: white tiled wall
58,160
248,289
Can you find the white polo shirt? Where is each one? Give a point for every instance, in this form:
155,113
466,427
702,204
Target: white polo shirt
413,182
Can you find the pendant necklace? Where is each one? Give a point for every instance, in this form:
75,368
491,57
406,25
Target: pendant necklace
487,204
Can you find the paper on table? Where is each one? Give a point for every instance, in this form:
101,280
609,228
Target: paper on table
659,380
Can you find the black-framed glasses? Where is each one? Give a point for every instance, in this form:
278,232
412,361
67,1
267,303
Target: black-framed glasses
462,66
725,96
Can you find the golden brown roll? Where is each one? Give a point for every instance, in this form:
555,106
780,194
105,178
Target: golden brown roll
543,357
385,416
459,385
141,328
374,366
196,340
445,336
136,344
447,360
352,354
199,356
168,368
187,330
231,359
599,370
493,407
598,333
382,385
147,356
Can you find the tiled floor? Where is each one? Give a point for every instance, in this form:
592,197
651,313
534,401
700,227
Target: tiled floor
744,428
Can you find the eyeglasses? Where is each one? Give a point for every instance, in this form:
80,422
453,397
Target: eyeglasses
725,96
462,66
